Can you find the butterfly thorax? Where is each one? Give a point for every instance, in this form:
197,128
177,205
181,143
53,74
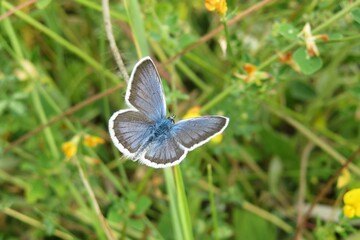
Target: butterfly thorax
163,127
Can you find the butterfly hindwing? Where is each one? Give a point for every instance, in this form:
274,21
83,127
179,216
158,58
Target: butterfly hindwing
194,132
145,91
164,152
129,130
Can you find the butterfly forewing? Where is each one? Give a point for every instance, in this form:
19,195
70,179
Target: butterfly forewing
194,132
129,130
145,92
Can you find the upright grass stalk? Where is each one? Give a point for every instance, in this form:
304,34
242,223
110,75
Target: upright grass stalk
212,202
227,36
137,27
15,44
183,208
171,191
43,118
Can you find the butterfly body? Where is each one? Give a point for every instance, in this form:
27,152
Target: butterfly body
144,133
163,127
158,133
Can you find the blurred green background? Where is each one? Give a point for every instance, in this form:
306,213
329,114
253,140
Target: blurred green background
294,119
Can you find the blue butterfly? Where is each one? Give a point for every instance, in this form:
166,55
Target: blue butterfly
144,133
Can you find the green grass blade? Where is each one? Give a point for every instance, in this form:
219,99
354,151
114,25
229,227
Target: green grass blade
137,27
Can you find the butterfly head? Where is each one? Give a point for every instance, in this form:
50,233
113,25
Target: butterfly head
172,118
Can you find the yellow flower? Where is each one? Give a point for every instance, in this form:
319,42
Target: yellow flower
192,112
343,179
217,139
219,6
69,148
352,203
310,40
93,141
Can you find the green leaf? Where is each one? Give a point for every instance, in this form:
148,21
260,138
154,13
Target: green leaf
137,25
307,64
41,4
137,224
17,107
288,31
277,144
301,90
251,227
186,39
117,212
49,225
143,203
356,15
225,231
335,36
3,105
35,191
356,91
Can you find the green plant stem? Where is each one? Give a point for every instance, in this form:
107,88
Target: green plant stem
183,208
50,100
113,179
218,98
195,79
137,26
35,223
171,190
227,36
267,216
13,39
6,177
343,39
48,133
212,202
